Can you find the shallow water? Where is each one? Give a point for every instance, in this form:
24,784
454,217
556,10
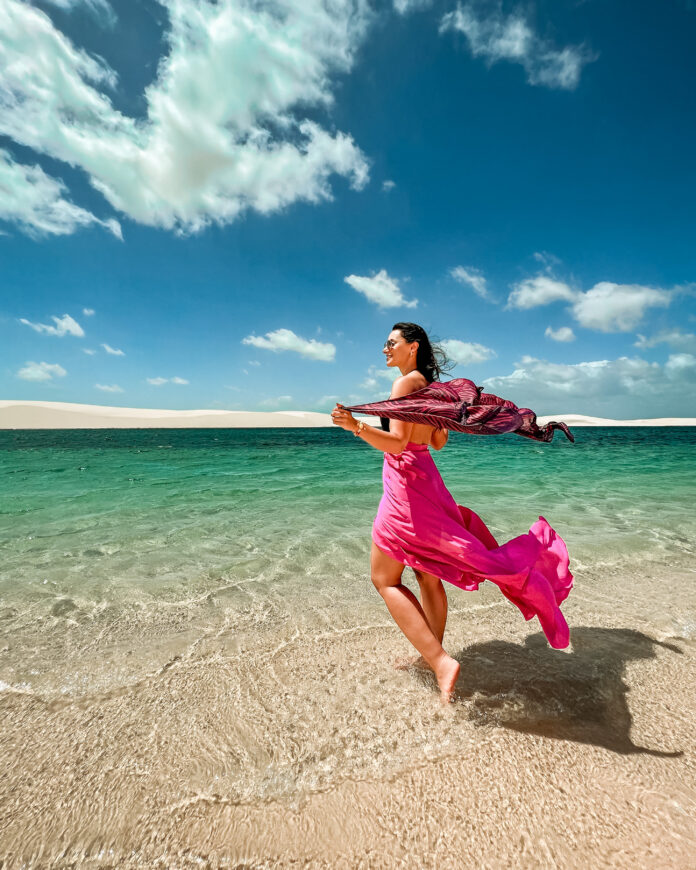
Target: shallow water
189,612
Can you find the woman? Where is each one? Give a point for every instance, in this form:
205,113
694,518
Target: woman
419,524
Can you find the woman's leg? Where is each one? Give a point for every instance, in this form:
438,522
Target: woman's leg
409,616
433,602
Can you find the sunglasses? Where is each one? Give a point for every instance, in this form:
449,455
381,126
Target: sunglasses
390,343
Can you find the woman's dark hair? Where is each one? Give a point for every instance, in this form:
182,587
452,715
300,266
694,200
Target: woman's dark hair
431,360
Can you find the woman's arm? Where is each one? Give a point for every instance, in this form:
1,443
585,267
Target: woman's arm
438,439
399,433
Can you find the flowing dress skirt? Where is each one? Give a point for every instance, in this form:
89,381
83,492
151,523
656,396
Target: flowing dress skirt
419,524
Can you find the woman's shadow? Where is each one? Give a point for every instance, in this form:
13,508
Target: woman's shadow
577,696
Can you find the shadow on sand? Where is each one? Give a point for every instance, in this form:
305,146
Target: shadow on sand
577,696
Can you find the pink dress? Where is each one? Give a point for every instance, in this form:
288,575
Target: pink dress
419,524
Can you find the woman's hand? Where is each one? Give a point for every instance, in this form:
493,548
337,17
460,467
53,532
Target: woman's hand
344,419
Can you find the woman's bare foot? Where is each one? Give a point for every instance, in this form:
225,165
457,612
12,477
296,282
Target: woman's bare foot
412,662
447,673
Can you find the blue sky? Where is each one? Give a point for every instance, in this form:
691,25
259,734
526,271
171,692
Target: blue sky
228,205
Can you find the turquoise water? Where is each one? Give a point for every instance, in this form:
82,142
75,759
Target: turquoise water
126,518
120,516
237,562
153,511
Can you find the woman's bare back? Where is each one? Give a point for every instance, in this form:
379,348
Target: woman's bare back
421,432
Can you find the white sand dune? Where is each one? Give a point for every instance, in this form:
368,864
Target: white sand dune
584,420
16,414
66,415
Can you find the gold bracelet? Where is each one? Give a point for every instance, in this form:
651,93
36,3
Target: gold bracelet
359,428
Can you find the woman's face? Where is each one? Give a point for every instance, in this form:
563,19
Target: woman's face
398,351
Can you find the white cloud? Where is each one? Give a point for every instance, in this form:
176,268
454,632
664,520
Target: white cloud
64,325
375,374
285,339
278,400
547,259
223,131
495,36
403,7
101,10
89,351
36,202
673,337
466,352
380,289
624,388
473,277
88,312
254,362
157,382
388,184
606,307
610,307
563,333
42,371
112,350
113,388
539,290
680,362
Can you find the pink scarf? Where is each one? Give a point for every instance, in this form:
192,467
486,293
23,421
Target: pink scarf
461,406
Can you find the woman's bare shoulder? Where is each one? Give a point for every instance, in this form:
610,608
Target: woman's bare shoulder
405,384
414,380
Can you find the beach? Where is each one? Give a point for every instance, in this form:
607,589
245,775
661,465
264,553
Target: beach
16,414
196,671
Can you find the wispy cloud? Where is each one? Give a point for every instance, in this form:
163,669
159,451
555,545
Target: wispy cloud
563,333
109,388
112,350
547,259
100,9
388,184
403,7
673,337
274,402
35,202
64,325
88,312
375,374
242,74
381,289
605,387
41,371
466,352
158,382
473,278
286,340
495,36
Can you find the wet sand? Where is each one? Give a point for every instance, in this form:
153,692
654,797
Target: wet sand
193,744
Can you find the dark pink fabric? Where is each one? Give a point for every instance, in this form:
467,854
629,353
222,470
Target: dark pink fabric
419,524
461,406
